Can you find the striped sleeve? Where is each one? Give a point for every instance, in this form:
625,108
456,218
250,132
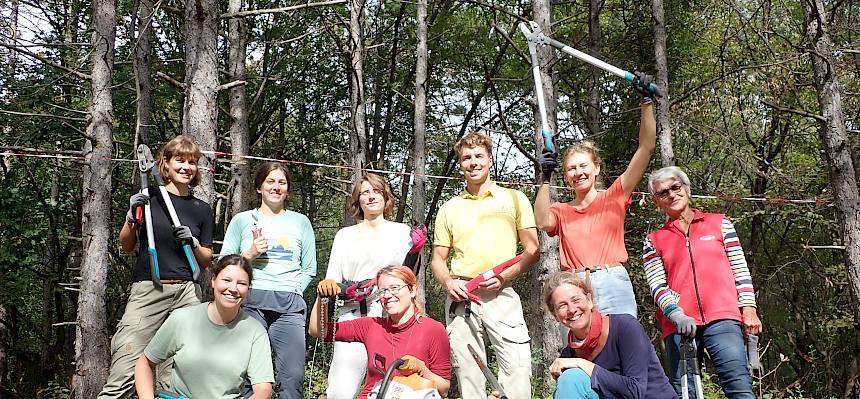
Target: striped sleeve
738,262
655,274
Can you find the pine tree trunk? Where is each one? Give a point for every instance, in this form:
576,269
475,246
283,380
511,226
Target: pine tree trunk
546,339
358,109
91,341
142,74
239,128
664,127
420,121
834,138
595,43
200,121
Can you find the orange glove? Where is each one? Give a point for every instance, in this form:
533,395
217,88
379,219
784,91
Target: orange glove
328,287
413,365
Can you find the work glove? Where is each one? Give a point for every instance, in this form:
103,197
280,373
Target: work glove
547,165
641,82
685,325
183,234
412,365
328,287
136,201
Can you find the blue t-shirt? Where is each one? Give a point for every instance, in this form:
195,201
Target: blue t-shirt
291,260
628,367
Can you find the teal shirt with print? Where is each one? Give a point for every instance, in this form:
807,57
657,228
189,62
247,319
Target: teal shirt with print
211,360
291,260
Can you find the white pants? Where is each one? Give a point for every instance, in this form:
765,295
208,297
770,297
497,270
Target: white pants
349,360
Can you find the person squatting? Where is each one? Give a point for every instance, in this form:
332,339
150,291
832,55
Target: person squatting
249,341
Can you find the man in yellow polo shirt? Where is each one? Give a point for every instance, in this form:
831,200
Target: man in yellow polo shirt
478,230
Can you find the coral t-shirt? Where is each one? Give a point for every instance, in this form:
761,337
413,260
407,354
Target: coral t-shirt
594,235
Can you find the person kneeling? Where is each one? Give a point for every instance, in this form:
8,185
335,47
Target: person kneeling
607,355
405,333
215,346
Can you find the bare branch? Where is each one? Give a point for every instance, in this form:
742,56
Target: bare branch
794,111
68,118
280,9
227,86
46,61
167,78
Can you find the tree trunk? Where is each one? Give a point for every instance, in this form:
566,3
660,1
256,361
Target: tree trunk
664,127
595,43
420,121
358,131
91,341
200,121
142,74
239,128
4,348
834,137
546,339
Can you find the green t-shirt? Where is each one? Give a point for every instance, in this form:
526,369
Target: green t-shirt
212,361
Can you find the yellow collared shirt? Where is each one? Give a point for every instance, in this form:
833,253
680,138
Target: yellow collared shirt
482,231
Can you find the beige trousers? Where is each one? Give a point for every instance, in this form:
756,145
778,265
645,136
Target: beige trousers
146,310
500,319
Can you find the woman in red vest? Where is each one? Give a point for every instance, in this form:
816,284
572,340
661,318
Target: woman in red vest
699,278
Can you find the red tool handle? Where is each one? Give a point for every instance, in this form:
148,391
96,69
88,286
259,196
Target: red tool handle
473,283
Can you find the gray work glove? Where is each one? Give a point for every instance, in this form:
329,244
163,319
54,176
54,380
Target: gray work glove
547,165
685,325
641,82
136,201
183,235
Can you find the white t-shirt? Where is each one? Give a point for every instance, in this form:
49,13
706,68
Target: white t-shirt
357,253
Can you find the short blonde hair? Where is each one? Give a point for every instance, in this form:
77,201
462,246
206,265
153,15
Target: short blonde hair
179,146
585,147
556,280
474,139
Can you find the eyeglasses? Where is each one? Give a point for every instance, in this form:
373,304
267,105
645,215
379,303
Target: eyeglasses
674,189
391,289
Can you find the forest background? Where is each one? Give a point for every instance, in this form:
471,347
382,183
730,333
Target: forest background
761,109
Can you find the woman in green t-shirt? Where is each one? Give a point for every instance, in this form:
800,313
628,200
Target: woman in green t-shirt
215,346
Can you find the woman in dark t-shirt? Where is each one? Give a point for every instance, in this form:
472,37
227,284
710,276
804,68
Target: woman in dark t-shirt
150,302
606,355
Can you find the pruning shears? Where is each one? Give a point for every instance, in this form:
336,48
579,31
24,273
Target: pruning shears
488,374
144,153
145,165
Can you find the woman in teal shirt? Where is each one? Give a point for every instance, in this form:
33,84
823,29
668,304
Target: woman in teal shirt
281,246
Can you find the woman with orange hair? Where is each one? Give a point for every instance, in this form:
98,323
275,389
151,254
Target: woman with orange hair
405,333
357,254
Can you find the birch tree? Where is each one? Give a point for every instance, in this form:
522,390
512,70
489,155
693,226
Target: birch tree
91,341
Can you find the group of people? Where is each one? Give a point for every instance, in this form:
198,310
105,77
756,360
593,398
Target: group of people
251,337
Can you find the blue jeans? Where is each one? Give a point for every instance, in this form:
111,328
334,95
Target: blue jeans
724,341
574,384
613,291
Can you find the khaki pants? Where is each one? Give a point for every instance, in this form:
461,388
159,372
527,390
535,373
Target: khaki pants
501,320
146,310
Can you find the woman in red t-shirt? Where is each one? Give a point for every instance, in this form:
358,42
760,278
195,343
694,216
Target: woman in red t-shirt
405,333
591,226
